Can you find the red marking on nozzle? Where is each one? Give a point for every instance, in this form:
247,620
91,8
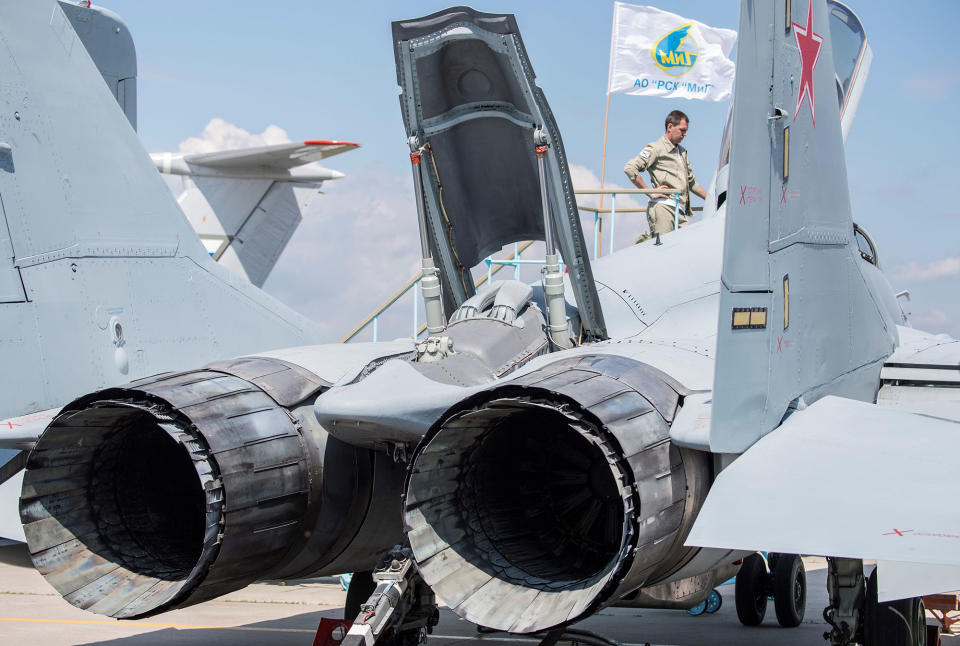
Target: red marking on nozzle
541,149
415,158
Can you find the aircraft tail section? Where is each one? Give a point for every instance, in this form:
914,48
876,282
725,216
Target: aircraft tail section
800,313
246,203
115,283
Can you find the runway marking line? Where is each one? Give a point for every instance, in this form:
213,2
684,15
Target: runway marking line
135,624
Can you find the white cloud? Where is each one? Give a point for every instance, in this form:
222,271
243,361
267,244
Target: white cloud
930,271
223,135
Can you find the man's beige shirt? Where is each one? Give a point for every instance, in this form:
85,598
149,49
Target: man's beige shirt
665,166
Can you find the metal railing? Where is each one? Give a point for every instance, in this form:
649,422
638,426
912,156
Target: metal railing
599,212
516,260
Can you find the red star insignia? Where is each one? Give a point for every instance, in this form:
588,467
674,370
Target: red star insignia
809,43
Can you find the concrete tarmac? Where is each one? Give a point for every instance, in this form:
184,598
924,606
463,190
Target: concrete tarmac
287,614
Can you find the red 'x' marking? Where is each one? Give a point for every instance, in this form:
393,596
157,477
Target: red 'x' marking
898,532
779,343
743,195
783,194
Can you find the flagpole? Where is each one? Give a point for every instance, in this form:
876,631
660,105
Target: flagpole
603,171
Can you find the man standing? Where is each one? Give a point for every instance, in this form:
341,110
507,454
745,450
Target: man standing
666,160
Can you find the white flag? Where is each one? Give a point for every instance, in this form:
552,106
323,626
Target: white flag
659,53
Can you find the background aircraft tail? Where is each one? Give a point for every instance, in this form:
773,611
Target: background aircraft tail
802,313
245,204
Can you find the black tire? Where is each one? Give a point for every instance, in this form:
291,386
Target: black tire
750,590
789,590
894,623
361,587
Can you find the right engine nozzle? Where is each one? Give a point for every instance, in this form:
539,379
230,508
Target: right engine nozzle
534,503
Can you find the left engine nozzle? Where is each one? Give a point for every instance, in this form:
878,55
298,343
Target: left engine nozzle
164,493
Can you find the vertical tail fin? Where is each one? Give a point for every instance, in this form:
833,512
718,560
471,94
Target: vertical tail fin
115,284
798,317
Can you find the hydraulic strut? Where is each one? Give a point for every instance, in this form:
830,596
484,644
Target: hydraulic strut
402,609
552,278
430,280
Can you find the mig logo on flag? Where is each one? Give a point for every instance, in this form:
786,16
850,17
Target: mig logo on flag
676,52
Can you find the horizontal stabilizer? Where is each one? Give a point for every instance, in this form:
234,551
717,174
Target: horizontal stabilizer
842,478
276,156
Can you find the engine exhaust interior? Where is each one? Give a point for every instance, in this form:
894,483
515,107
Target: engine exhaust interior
114,497
528,492
145,492
543,496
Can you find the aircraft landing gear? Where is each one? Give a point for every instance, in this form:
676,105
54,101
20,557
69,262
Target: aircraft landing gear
359,589
750,590
783,578
895,623
789,589
856,617
400,609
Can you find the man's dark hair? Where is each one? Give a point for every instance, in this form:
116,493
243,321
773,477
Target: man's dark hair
674,119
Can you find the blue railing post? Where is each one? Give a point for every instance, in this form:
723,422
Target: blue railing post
376,320
596,235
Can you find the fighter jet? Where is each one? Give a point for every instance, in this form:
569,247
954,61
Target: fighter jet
622,434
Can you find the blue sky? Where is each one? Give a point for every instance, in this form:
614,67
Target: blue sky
325,70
